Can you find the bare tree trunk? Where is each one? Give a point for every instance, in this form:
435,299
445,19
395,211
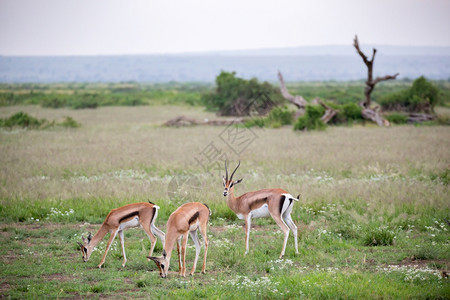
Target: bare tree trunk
368,112
298,101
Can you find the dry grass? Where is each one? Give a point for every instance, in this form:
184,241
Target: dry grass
123,152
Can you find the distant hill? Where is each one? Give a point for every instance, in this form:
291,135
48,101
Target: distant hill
297,64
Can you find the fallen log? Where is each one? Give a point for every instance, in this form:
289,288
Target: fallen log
419,118
181,121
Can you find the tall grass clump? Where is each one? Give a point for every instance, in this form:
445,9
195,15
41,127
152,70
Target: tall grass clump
378,236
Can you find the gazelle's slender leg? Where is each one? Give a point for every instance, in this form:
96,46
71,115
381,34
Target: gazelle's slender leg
150,235
122,243
111,239
248,224
183,252
285,230
180,264
194,237
205,238
158,233
292,226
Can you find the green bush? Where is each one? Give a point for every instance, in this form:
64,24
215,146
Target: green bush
235,96
311,119
352,111
23,120
281,115
85,101
421,96
396,118
69,123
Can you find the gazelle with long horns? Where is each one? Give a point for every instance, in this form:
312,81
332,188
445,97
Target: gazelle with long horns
184,221
132,215
275,203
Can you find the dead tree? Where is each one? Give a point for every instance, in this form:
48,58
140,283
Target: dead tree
367,111
301,103
298,101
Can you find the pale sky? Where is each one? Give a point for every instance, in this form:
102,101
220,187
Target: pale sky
105,27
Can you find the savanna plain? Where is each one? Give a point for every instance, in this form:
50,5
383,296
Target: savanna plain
373,215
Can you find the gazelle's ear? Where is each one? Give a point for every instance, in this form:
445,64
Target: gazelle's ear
238,181
89,237
155,259
224,180
80,244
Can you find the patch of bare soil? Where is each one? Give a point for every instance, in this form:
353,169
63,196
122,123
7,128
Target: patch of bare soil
422,263
4,288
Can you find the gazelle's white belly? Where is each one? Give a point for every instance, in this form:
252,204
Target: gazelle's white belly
129,224
194,226
261,212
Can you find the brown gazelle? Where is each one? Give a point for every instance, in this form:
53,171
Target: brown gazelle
187,219
276,203
132,215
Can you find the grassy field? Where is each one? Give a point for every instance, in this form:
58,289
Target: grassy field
373,215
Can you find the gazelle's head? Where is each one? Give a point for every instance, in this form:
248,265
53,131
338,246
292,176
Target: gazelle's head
86,248
162,262
229,183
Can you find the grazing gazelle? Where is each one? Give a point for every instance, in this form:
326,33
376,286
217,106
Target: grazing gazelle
187,219
276,203
119,219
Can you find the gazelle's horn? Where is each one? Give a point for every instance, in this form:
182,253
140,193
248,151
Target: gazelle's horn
231,178
226,171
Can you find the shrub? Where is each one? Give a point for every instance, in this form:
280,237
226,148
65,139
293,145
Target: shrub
397,118
352,111
53,102
69,123
378,236
22,119
311,119
421,96
281,115
85,101
235,96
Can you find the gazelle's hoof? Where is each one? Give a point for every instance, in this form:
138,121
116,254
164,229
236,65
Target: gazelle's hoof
99,266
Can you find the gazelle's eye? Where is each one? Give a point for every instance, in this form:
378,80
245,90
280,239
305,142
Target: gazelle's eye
162,266
85,250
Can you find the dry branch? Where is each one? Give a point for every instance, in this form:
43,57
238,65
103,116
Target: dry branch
329,112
